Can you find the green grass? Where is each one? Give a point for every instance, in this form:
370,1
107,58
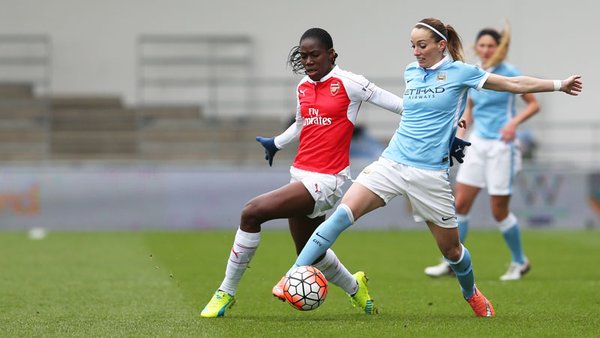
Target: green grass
155,284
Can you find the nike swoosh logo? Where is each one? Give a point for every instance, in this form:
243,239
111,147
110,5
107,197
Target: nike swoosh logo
323,237
444,219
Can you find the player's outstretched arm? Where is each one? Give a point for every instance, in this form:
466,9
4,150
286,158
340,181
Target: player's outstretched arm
527,84
572,85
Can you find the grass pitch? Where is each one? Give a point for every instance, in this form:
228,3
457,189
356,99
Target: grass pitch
156,283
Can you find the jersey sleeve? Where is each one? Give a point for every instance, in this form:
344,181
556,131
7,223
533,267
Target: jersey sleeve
513,71
386,100
361,89
358,87
473,76
293,130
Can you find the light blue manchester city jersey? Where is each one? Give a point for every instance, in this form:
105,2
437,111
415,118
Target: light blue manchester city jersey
492,109
434,101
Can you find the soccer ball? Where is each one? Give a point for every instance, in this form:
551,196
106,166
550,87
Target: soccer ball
305,288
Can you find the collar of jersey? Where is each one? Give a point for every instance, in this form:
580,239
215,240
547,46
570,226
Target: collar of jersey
442,62
324,78
489,70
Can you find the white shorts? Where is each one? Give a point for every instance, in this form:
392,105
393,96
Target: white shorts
490,163
428,191
326,189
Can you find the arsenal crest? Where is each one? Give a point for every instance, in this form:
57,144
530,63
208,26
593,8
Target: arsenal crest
334,88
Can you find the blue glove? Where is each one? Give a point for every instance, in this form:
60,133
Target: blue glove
270,148
457,150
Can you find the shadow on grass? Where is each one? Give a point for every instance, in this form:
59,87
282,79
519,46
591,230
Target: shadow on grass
358,317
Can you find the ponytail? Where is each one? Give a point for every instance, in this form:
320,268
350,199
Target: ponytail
502,50
294,60
455,47
444,32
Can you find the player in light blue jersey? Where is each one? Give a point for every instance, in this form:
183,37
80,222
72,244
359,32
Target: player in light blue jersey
415,163
495,158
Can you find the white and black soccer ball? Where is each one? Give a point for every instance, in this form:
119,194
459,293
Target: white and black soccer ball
305,288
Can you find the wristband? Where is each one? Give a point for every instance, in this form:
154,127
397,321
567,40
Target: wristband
557,85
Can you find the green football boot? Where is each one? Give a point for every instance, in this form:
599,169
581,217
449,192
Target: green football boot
361,298
218,304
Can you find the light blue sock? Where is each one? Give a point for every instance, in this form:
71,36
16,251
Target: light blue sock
464,273
324,236
463,226
512,237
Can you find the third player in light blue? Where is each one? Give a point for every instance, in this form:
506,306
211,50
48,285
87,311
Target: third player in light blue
494,158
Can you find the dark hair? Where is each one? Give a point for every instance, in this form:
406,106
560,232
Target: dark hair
454,43
491,32
503,42
313,33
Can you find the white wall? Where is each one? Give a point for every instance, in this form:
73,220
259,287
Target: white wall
94,41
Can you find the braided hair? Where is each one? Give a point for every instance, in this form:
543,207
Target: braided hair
294,59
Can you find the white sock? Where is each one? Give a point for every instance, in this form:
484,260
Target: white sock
336,272
244,248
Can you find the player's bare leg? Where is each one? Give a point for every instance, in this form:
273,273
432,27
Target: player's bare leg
459,259
464,197
284,202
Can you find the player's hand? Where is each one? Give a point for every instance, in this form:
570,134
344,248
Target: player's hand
270,148
572,85
457,150
508,132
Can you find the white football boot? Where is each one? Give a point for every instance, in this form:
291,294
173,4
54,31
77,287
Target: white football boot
442,269
516,271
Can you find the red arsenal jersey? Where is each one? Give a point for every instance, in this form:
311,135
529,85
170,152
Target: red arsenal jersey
325,117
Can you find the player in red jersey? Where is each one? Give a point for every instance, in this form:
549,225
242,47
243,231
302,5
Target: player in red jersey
328,101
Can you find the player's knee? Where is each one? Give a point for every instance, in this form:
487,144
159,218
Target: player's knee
253,216
452,253
462,208
463,205
499,214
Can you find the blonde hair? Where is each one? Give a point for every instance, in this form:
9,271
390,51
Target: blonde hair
454,43
503,43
